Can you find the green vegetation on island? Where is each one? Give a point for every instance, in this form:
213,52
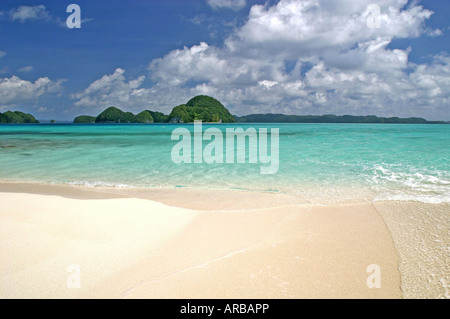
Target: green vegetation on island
180,114
159,117
17,117
84,119
202,107
210,110
144,117
114,115
329,118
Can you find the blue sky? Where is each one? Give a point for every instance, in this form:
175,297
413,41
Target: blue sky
293,57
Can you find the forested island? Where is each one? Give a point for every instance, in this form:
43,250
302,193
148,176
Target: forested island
210,110
202,107
330,118
17,117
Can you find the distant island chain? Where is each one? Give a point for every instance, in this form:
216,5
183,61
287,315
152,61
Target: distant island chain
209,110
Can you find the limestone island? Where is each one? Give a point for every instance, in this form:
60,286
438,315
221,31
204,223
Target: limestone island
201,107
17,117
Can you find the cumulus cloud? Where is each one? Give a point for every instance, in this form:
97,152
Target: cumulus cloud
116,90
15,90
204,63
303,28
112,89
337,62
227,4
301,57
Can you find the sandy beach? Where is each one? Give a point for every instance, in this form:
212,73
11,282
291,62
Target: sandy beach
225,149
125,247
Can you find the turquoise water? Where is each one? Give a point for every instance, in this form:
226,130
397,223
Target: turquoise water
333,161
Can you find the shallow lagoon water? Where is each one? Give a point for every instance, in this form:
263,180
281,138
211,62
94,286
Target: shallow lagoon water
329,162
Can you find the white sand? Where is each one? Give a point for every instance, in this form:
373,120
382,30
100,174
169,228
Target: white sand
138,248
40,236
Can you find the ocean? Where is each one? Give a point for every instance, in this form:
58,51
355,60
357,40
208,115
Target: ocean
319,163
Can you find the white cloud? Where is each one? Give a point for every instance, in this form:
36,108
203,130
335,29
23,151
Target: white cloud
2,54
303,28
227,4
115,90
15,90
204,63
298,57
26,69
24,13
352,70
112,89
198,63
267,84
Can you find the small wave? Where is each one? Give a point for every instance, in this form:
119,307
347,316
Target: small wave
410,185
436,199
100,184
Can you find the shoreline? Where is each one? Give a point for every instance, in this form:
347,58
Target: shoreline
196,244
228,198
222,199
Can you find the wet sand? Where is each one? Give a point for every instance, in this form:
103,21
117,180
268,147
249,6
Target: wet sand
422,237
